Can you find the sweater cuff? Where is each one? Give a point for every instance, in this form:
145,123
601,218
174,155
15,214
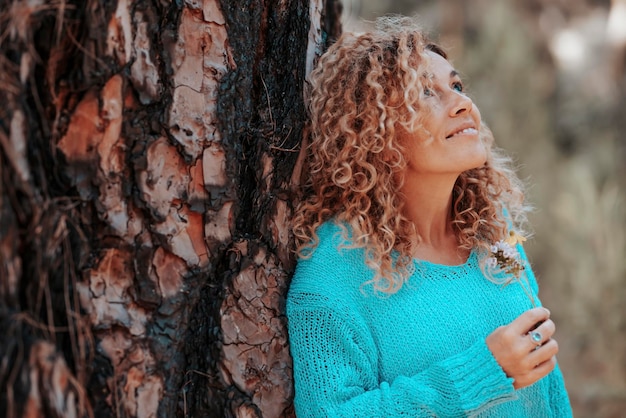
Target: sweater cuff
479,379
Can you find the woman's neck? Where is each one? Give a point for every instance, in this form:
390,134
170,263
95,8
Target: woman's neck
428,205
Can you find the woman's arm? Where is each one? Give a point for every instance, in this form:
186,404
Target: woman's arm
336,373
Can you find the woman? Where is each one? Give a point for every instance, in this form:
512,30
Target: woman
402,303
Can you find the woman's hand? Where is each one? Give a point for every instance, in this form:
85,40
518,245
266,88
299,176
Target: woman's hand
520,356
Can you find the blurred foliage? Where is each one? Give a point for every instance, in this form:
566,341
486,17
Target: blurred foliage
549,79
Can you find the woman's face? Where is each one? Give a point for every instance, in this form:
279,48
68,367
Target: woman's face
446,141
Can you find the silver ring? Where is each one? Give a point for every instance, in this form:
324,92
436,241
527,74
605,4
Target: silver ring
536,337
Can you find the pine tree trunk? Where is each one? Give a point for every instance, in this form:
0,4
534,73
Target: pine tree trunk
148,153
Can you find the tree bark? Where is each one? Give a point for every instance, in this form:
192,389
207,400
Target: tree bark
149,151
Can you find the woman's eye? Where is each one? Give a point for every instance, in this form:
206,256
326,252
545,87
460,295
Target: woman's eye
458,86
428,92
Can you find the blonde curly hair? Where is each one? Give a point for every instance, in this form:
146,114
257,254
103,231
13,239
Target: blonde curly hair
364,89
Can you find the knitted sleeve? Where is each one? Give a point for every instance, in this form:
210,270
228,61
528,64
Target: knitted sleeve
336,372
559,400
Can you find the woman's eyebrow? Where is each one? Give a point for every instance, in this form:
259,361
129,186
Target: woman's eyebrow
454,73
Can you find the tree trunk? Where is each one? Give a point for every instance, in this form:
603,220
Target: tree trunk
148,153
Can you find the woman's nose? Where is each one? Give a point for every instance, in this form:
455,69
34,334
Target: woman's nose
461,104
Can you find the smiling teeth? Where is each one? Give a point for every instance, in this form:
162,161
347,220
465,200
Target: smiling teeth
471,131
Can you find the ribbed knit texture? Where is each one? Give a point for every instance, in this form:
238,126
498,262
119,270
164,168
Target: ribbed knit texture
420,352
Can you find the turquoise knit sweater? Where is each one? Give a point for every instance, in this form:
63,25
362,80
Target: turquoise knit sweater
420,352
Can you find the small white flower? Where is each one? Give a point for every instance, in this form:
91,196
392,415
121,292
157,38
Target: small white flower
504,255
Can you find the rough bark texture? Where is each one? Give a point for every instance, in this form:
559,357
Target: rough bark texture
148,153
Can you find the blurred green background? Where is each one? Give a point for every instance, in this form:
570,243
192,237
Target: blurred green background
549,78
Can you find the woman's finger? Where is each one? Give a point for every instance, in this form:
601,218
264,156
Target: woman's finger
545,352
535,374
523,323
538,336
542,369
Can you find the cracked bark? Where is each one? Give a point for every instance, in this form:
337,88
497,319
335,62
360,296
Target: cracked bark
148,152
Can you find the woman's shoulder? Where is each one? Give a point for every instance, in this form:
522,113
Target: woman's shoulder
332,267
333,239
